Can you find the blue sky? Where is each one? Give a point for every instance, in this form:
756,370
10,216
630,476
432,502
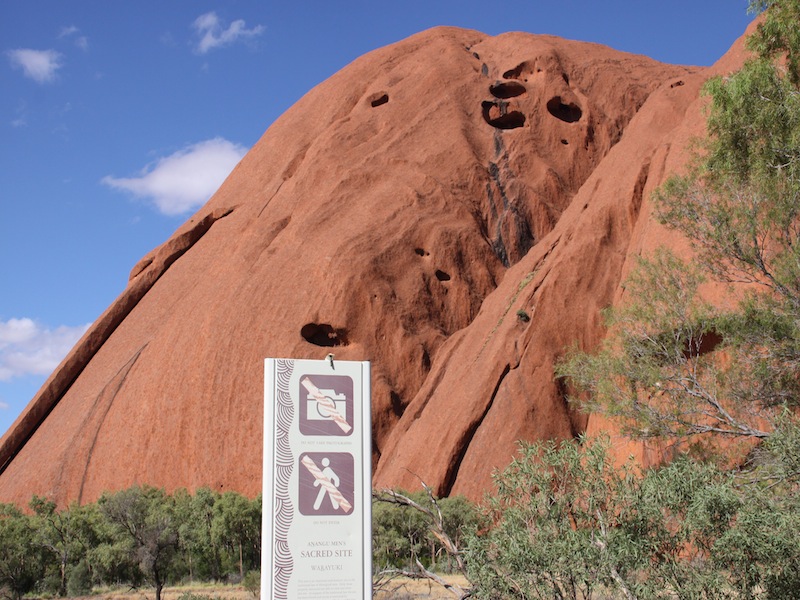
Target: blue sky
119,119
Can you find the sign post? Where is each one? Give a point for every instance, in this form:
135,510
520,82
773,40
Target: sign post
317,494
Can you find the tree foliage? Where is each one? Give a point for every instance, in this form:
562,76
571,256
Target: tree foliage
146,517
200,550
417,530
672,365
411,532
134,536
66,536
236,525
567,522
21,562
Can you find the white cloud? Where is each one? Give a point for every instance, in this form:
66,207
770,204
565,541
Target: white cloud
185,180
4,405
39,65
81,41
213,35
67,31
30,348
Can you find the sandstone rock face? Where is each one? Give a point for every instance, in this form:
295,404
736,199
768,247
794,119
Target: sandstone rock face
402,212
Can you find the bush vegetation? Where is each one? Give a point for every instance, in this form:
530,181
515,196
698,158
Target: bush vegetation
142,536
139,536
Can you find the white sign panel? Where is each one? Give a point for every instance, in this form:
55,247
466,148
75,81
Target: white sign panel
317,511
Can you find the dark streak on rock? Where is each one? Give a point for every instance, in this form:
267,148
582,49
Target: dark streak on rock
466,439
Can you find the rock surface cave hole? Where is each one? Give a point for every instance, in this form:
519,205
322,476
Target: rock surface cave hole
379,99
507,89
323,334
567,112
496,115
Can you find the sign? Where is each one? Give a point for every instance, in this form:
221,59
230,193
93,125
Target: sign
317,498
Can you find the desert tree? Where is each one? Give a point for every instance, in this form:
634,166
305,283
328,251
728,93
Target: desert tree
236,525
406,525
22,561
568,523
66,535
200,549
144,516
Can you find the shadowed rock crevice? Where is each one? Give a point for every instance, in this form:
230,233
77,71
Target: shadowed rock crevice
323,334
398,408
638,191
702,344
521,71
569,112
577,419
463,444
507,89
441,275
496,114
378,99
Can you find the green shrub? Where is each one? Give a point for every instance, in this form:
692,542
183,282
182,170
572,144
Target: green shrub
252,583
194,596
79,582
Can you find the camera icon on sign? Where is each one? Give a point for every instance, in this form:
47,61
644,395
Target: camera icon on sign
316,411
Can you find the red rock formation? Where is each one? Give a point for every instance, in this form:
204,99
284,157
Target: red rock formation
403,211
